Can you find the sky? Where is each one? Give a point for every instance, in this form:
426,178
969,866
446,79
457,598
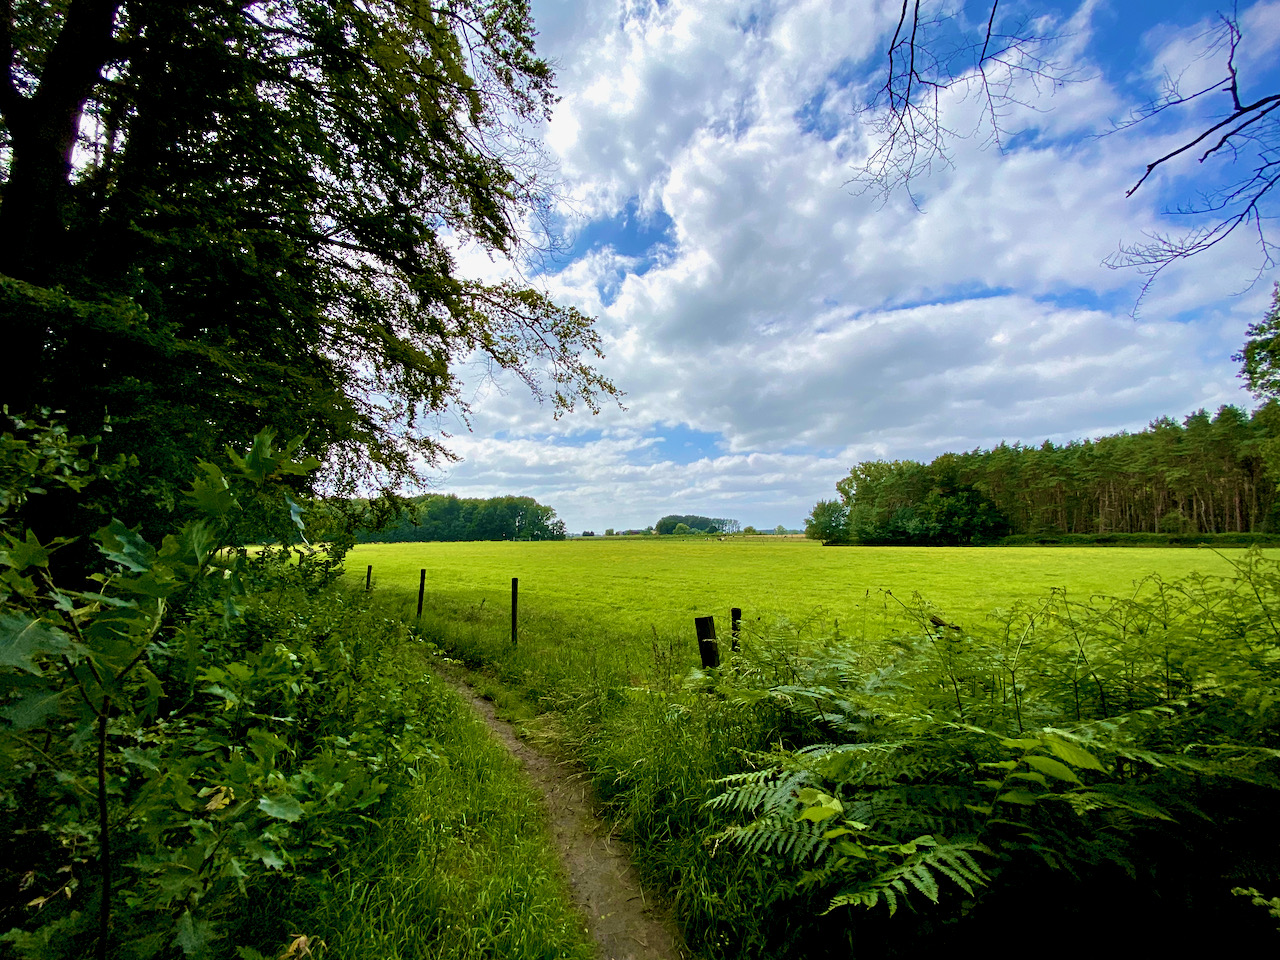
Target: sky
771,324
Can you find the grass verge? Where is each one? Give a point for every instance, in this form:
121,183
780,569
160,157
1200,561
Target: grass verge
457,866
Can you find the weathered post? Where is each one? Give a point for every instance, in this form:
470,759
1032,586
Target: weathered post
515,588
707,645
735,621
422,588
368,579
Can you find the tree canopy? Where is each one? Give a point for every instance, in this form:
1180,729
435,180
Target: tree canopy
444,517
696,524
1204,475
216,214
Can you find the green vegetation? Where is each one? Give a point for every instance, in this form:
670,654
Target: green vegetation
253,227
619,590
695,524
943,778
447,518
458,864
1203,476
202,727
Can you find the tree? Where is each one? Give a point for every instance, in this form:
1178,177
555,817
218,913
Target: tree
828,522
1259,359
215,213
1002,59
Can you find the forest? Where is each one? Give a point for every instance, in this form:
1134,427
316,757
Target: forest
445,517
1205,475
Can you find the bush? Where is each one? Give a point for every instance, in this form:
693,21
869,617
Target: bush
198,717
1113,763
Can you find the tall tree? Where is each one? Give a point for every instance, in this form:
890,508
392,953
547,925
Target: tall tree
215,213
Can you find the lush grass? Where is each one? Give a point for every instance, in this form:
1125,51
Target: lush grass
605,654
457,866
622,591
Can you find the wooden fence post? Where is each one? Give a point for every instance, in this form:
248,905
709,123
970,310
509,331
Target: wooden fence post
515,587
735,620
368,579
422,587
707,645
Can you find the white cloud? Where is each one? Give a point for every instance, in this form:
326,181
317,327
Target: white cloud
808,327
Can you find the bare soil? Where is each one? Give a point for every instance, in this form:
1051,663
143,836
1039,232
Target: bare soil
625,922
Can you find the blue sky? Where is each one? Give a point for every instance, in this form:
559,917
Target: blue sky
772,325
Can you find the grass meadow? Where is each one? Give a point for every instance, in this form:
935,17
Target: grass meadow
627,590
605,674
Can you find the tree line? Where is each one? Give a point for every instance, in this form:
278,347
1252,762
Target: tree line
1205,475
445,517
696,524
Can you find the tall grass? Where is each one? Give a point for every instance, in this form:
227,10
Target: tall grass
657,733
458,865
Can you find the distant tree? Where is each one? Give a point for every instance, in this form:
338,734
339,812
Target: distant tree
588,533
1208,474
701,524
780,530
439,517
1259,359
609,532
682,528
828,522
749,530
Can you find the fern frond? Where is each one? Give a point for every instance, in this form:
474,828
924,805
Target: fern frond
798,841
918,872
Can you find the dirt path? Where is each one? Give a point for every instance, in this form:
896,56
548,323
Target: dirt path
625,925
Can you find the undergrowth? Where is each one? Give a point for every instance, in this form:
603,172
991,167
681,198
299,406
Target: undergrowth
208,751
1079,763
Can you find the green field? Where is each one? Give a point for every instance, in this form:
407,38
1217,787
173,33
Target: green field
631,587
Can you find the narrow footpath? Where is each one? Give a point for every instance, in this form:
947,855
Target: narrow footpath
625,924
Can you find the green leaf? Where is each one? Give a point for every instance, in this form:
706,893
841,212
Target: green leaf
117,542
1023,798
211,494
282,808
1052,768
32,709
1072,754
193,935
28,553
295,513
22,639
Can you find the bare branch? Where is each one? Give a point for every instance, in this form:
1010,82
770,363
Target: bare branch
941,53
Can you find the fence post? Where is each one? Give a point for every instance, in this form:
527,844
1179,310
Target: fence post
515,587
422,587
707,645
368,579
735,620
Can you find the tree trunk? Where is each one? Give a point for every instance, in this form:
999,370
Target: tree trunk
43,129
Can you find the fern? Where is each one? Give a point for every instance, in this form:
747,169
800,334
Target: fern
1081,736
797,841
919,872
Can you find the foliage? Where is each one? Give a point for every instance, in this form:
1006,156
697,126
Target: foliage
448,518
865,716
194,717
1206,475
1260,358
459,864
1122,749
828,522
261,214
695,524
